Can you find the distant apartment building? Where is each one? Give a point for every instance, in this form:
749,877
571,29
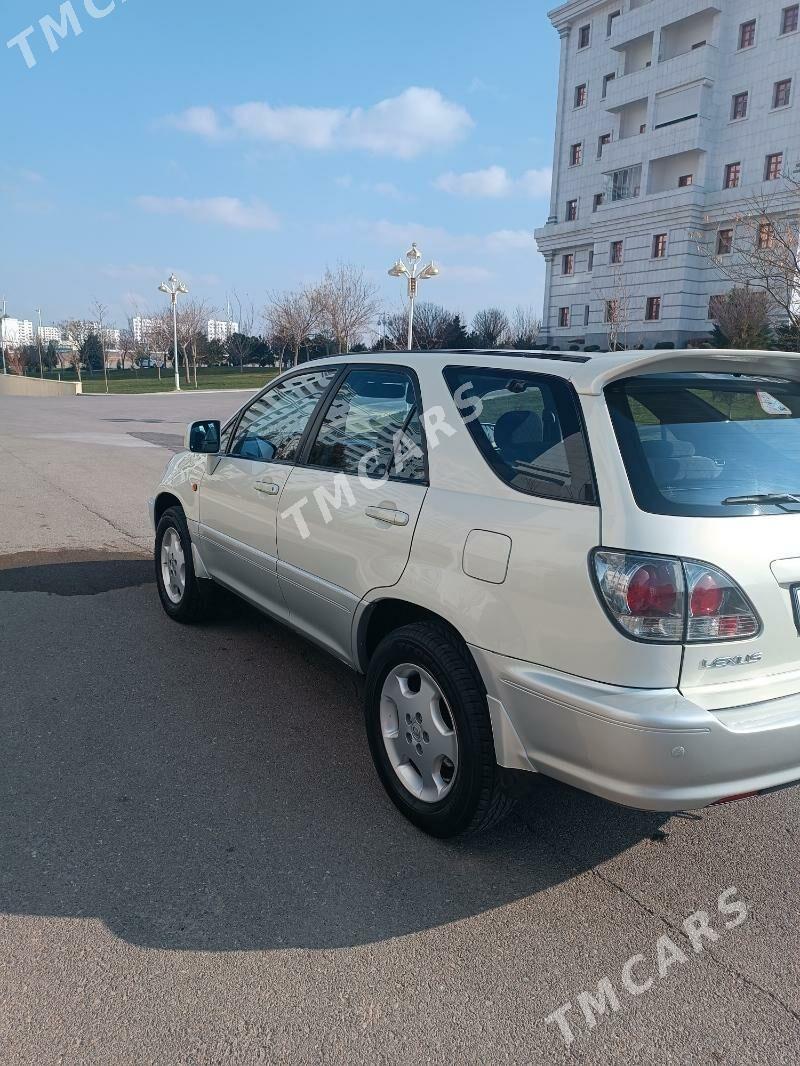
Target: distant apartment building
45,334
221,330
17,332
143,329
671,118
110,334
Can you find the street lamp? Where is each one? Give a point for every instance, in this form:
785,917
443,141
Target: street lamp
400,270
172,287
3,317
39,342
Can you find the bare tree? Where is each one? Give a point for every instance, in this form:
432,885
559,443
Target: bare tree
742,316
524,328
760,248
431,326
490,328
193,318
396,330
294,317
127,346
616,298
348,304
240,343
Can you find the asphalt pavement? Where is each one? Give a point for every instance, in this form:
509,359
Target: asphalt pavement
198,864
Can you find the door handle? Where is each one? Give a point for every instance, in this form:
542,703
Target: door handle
390,515
268,487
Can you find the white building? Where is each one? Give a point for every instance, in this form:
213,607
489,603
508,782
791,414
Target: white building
46,334
17,332
221,331
143,329
671,118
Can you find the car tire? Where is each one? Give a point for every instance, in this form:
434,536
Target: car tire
441,713
183,595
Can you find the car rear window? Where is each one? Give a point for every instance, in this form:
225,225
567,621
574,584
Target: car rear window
709,444
528,429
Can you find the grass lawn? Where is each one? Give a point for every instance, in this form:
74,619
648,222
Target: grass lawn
129,381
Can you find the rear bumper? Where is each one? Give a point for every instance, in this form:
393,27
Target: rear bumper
648,748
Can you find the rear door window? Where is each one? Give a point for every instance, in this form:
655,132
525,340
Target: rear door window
528,429
709,444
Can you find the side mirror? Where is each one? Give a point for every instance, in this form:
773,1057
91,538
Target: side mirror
203,437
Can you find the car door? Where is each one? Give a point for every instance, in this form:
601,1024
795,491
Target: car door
348,510
239,498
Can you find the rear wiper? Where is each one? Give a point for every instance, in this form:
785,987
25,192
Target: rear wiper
767,497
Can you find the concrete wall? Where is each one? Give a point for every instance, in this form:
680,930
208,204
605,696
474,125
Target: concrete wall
16,385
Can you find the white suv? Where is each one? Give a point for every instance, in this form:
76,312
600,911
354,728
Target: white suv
551,563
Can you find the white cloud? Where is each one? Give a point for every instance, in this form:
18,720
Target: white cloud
223,210
402,126
434,241
495,183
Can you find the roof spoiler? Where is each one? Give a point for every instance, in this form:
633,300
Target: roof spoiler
590,380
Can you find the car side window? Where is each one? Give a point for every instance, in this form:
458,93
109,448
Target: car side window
271,428
373,428
528,429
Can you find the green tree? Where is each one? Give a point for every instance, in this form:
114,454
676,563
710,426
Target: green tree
92,352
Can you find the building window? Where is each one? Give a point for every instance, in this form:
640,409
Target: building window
606,82
685,180
652,311
581,95
563,317
747,34
733,175
572,210
598,201
773,168
782,93
576,154
616,253
602,141
725,242
610,22
590,261
739,106
766,236
660,246
625,183
586,310
568,263
584,36
612,310
790,19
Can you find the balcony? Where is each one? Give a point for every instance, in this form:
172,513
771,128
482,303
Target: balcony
697,65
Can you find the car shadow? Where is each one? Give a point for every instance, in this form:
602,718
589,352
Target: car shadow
210,788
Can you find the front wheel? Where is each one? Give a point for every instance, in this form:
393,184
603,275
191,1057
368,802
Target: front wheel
183,596
430,734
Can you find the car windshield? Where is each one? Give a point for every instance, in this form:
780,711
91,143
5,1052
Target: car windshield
709,444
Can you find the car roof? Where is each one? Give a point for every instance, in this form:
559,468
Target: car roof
590,373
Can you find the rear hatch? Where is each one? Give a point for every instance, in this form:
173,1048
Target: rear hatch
713,461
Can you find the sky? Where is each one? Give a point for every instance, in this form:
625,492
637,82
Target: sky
246,145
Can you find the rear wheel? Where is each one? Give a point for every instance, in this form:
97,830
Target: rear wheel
430,734
183,596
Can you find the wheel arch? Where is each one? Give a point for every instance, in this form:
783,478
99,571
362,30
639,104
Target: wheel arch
163,501
381,616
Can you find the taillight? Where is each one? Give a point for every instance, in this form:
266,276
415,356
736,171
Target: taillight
718,609
672,601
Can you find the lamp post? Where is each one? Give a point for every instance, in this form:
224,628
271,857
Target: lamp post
3,317
172,287
39,342
400,270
